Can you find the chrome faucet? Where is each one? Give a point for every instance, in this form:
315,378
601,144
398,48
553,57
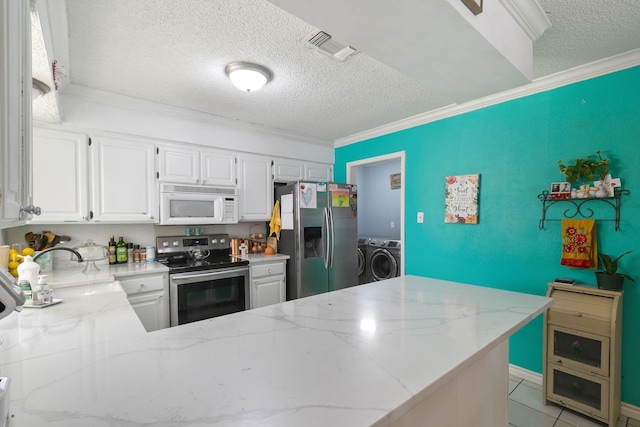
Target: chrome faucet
60,249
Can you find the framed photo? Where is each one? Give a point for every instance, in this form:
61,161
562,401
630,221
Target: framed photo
475,6
560,190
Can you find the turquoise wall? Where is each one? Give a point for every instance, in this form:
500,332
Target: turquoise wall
514,146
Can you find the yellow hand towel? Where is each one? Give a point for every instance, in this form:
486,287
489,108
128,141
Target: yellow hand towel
579,244
275,224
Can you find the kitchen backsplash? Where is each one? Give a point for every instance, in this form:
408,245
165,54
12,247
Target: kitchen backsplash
142,234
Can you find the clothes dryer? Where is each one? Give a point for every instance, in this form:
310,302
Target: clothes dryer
384,259
363,275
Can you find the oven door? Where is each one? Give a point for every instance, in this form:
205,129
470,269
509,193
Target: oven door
202,295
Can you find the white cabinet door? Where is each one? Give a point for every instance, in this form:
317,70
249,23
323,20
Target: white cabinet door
123,181
286,170
218,168
255,188
15,110
318,172
147,294
150,308
179,164
60,176
267,291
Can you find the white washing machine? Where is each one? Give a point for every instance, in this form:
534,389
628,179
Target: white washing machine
383,259
363,275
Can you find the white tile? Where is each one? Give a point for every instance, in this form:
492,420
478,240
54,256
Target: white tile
523,416
578,420
530,396
512,385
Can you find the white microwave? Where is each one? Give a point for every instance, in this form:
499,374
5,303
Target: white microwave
197,204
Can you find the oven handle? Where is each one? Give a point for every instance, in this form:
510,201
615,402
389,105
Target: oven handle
214,273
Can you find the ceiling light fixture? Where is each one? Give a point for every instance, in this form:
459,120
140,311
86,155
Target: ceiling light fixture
38,89
248,77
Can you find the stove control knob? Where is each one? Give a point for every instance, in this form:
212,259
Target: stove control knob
214,241
165,244
176,243
223,240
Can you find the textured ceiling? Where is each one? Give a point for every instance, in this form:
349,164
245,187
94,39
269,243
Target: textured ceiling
174,52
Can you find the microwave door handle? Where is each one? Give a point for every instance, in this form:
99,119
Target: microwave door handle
218,209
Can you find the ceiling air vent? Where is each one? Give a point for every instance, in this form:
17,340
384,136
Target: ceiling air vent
323,42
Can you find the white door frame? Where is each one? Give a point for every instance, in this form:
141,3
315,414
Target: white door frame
351,179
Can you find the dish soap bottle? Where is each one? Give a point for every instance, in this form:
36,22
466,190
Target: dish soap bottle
28,275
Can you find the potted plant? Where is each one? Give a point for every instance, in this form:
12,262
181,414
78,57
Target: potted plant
585,170
609,278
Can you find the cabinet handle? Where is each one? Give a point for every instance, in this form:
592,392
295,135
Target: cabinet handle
161,297
577,314
269,271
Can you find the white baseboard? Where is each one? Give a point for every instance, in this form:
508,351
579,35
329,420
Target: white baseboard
626,409
525,374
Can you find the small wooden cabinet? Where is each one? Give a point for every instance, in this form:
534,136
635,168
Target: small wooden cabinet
148,295
582,350
268,283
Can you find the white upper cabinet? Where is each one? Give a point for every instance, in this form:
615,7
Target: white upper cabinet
123,180
179,164
183,164
318,172
15,112
286,170
255,188
218,167
60,176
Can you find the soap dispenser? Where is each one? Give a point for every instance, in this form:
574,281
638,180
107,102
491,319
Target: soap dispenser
42,293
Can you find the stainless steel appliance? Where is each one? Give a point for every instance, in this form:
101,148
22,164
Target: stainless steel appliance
363,274
383,259
320,234
197,204
202,287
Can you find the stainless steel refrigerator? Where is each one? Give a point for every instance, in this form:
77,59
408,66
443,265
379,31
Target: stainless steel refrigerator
320,234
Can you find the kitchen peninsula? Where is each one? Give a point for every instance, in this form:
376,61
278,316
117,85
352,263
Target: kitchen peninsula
401,352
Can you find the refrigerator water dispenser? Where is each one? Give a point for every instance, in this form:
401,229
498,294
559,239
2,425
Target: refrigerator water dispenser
313,242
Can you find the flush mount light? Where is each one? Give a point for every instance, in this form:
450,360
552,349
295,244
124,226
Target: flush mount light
38,89
248,77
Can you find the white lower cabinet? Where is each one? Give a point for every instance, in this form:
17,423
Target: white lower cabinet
268,283
148,295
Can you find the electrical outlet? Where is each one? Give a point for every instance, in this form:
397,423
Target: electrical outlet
420,217
393,224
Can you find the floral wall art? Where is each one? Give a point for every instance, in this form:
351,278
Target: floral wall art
461,199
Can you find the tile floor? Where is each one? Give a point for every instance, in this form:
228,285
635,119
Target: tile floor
526,409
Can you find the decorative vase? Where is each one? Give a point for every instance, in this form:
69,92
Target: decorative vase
574,193
610,282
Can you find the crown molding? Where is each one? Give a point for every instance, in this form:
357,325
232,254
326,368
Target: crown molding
529,15
563,78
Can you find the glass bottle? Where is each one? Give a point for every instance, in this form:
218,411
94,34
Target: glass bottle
112,250
121,251
129,253
136,254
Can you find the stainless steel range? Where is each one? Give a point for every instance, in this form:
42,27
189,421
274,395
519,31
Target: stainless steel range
205,281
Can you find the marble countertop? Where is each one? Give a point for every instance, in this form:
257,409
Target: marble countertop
360,356
73,276
257,258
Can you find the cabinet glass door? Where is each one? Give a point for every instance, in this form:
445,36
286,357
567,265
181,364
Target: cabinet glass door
573,389
579,350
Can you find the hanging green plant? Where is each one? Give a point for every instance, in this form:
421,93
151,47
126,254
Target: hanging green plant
585,170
